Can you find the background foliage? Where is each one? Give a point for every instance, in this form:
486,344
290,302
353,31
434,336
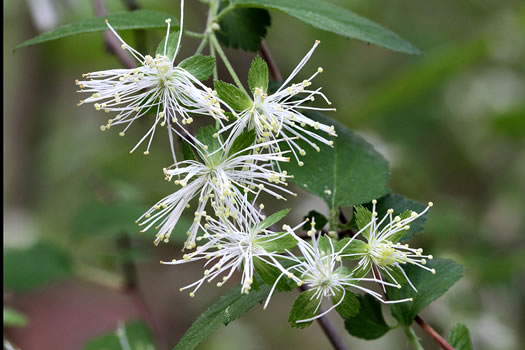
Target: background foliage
451,122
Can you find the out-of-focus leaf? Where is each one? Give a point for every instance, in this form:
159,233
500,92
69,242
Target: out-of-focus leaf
13,318
369,322
136,335
429,288
139,19
243,28
352,172
30,268
459,337
335,19
229,307
510,124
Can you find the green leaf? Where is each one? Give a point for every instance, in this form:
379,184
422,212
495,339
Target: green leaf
139,19
459,337
335,19
136,333
232,95
243,28
200,66
269,274
206,136
350,305
243,141
32,267
270,220
277,245
303,308
258,75
13,318
355,247
350,173
188,152
314,216
402,206
363,216
229,307
369,322
429,288
173,39
324,245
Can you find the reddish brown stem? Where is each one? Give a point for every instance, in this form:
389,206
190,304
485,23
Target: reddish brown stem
272,66
432,332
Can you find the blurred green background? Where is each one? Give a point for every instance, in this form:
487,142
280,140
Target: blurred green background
451,122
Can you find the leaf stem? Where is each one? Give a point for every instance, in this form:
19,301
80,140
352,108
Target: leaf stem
223,12
412,337
217,46
202,45
195,34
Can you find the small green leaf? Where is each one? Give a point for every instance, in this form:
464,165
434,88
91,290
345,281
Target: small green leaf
269,274
137,334
356,246
335,19
350,173
243,28
188,152
258,74
206,136
233,96
13,318
303,308
314,216
171,47
277,245
243,141
369,322
429,288
459,337
270,220
200,66
26,269
138,19
363,217
349,307
229,307
325,244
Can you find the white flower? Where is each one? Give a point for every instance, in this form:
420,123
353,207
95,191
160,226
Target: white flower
171,93
232,245
383,249
322,271
280,115
221,178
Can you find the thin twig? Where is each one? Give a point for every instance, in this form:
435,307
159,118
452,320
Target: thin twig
272,66
328,329
432,332
112,43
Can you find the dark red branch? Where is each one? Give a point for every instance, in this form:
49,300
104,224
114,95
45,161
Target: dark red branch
432,332
272,66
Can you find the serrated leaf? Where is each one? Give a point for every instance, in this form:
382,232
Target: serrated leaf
429,288
270,220
355,249
29,268
349,307
136,333
171,47
200,66
138,19
232,95
243,28
335,19
243,141
303,308
402,206
276,245
363,216
314,216
13,318
350,173
258,75
229,307
459,337
269,274
369,322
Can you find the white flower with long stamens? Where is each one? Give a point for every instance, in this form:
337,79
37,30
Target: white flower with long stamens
321,269
281,114
383,249
231,245
156,87
220,178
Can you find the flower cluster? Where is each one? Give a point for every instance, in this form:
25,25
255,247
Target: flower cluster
228,167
